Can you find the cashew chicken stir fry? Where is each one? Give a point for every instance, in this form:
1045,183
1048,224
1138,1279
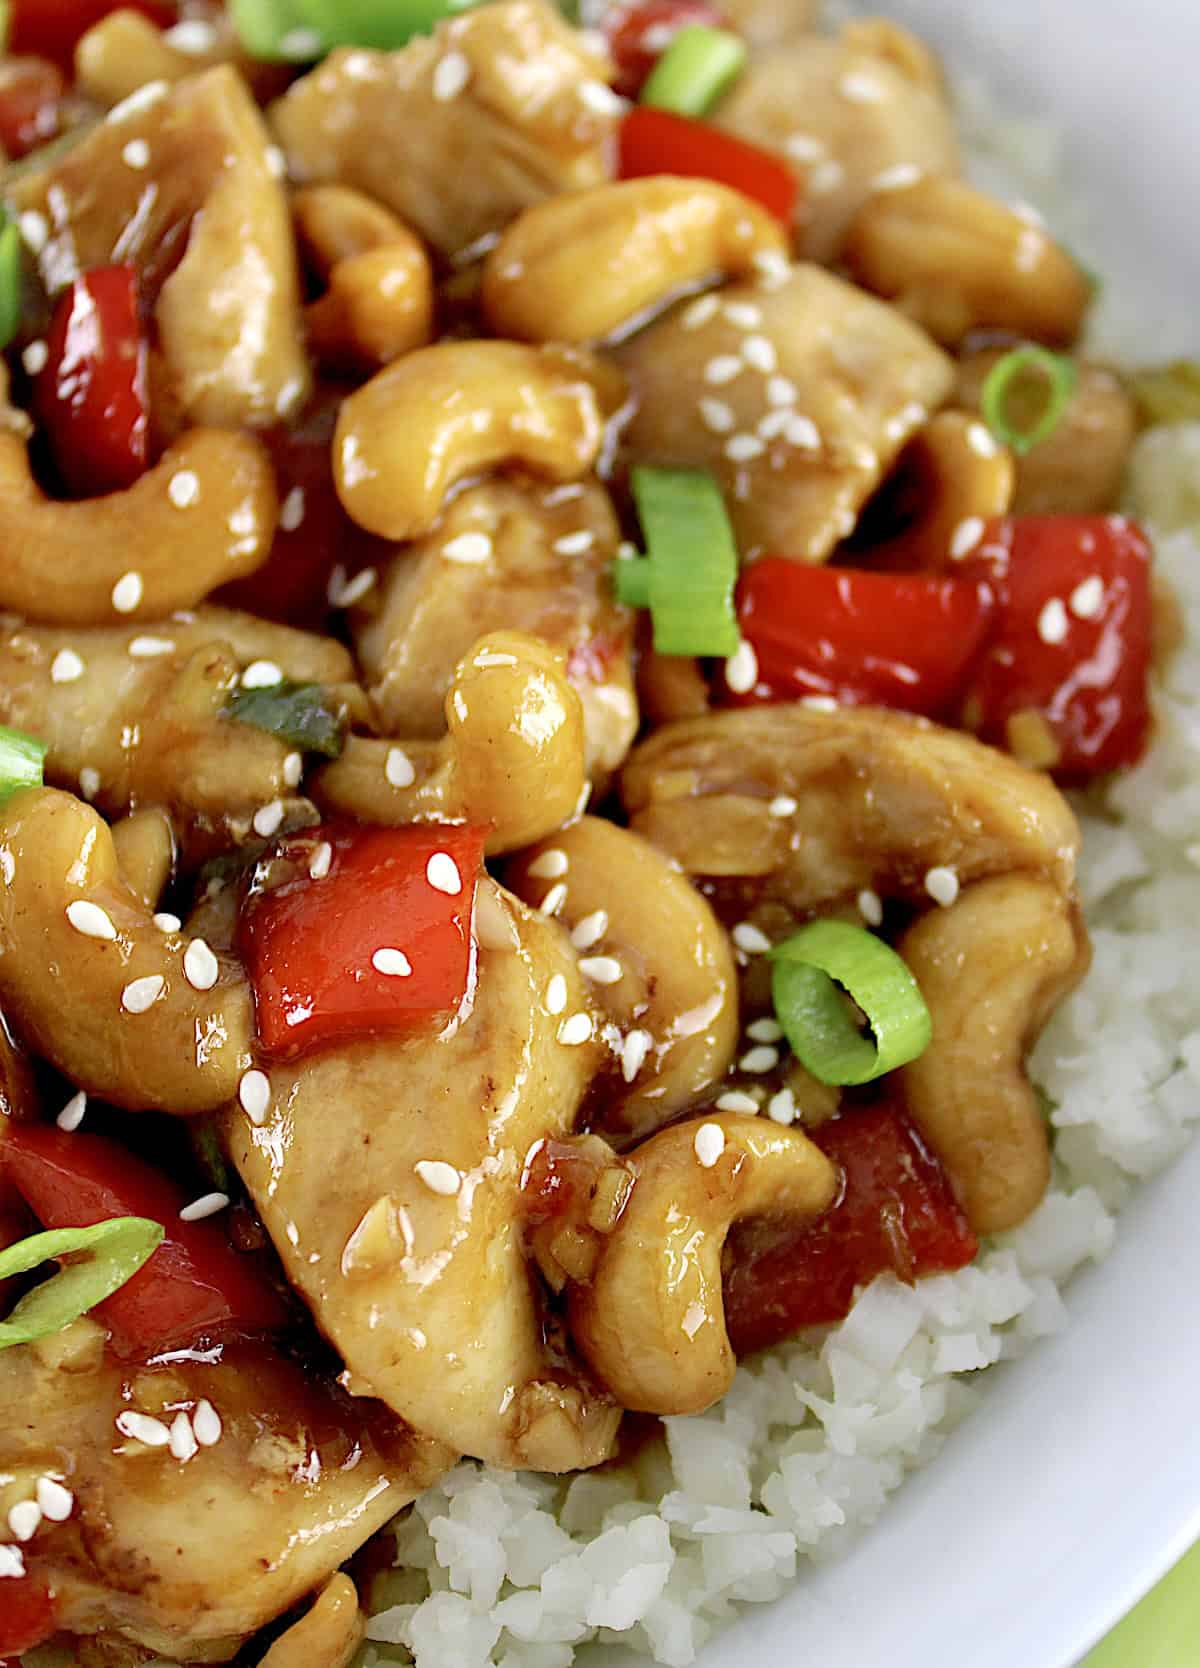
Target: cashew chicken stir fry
553,581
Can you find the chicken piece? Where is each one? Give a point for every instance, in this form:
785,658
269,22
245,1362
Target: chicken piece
228,315
507,555
138,720
881,799
799,403
847,114
461,130
765,23
189,1556
399,1220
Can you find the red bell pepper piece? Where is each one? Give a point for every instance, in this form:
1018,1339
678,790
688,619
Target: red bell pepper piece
31,91
53,28
194,1286
897,1211
638,35
1072,637
896,640
654,141
91,398
26,1612
380,943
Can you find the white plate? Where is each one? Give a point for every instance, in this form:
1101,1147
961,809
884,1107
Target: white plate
1077,1485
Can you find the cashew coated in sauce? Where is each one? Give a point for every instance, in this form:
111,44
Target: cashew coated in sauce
144,843
577,268
140,1033
328,1635
992,968
513,758
205,514
406,437
638,916
961,478
651,1319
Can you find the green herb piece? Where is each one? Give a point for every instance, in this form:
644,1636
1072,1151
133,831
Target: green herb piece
110,1254
11,279
687,578
21,758
298,713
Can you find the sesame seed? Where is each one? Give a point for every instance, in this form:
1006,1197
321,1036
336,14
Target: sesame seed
759,352
783,805
760,1059
399,769
141,994
127,593
276,163
143,98
556,995
773,269
392,963
209,1204
743,448
183,489
602,970
468,548
634,1050
819,703
441,872
57,1503
35,230
981,441
826,177
966,536
736,1100
182,1439
942,885
782,1107
293,769
773,424
438,1176
206,1422
451,76
751,939
744,314
589,929
25,1519
804,147
555,898
765,1030
34,358
741,669
575,1030
600,98
262,674
700,312
291,511
90,920
140,1427
166,922
781,391
1087,599
254,1093
301,44
136,154
191,36
201,968
1053,624
89,782
71,1116
550,865
321,861
709,1144
724,367
803,433
717,415
150,648
860,89
574,544
870,907
12,1563
343,592
268,818
66,667
897,177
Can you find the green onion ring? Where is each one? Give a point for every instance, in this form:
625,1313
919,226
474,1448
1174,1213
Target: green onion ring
114,1251
1061,374
687,578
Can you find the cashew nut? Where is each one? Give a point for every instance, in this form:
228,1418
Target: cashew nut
140,1033
125,51
1079,468
329,1634
204,515
144,843
958,476
651,1320
636,916
956,260
671,686
379,303
578,267
992,968
891,44
513,757
425,422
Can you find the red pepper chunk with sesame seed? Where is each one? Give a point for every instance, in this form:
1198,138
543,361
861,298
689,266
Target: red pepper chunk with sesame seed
1071,640
379,943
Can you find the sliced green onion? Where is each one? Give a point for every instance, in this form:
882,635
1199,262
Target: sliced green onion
277,30
1025,396
298,713
808,969
21,759
700,64
687,578
11,280
208,1154
112,1253
1167,393
300,31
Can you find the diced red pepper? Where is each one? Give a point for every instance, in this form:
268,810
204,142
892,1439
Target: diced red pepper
53,28
1072,637
897,1211
31,92
91,398
194,1286
896,640
638,35
659,142
26,1613
380,943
